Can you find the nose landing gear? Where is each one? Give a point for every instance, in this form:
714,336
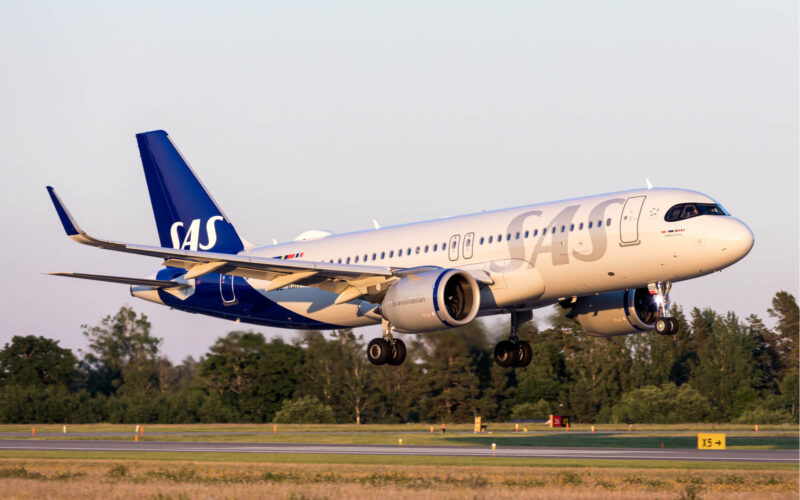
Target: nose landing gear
665,325
514,352
386,350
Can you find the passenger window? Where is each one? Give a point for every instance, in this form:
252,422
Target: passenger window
365,257
517,237
491,238
599,223
554,230
417,252
544,231
444,246
348,260
408,252
356,259
373,256
499,238
535,232
435,246
562,228
590,224
580,227
426,248
400,253
608,222
481,240
391,253
383,255
572,227
526,234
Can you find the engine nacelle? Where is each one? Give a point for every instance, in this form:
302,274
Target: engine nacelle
433,300
616,313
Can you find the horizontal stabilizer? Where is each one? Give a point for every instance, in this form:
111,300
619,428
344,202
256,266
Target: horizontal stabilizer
124,280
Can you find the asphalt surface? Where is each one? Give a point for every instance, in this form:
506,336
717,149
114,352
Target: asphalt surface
787,456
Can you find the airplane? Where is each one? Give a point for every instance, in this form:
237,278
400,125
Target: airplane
611,259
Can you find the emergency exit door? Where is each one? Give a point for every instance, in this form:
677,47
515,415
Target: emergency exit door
453,247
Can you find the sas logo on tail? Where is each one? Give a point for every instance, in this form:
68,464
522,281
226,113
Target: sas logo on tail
191,241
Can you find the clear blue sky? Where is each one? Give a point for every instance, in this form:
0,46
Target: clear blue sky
301,115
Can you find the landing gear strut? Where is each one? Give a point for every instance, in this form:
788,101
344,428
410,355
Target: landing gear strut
665,325
387,349
514,352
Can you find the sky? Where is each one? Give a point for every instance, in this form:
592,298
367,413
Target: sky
325,115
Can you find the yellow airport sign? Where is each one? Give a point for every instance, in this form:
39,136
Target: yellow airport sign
711,441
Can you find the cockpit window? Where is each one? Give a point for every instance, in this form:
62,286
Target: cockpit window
689,210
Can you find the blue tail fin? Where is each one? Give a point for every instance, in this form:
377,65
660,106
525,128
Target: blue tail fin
187,217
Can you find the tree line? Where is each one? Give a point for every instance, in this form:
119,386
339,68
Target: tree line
718,368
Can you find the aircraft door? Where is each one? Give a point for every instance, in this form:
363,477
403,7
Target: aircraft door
453,247
629,225
468,241
226,290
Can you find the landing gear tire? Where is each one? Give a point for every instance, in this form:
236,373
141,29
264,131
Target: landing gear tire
379,351
673,326
524,354
398,353
505,353
667,326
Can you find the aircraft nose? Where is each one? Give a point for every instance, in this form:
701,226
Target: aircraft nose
739,239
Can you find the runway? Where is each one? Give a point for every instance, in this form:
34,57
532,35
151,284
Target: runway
521,452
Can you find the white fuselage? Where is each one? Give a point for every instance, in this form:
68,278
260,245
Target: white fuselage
535,255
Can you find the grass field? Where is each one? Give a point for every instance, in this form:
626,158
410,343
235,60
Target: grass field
776,437
791,429
163,479
166,475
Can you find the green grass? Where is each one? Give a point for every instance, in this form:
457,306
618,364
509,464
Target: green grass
415,427
391,460
625,441
556,439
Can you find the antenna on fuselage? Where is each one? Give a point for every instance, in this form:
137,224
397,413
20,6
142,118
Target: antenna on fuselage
649,184
375,223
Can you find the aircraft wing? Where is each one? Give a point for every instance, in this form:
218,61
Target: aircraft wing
349,281
123,280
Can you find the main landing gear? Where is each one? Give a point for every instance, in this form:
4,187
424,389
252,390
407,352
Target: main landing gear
388,349
514,352
665,325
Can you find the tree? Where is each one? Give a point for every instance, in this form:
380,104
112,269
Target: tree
304,410
339,374
785,309
545,378
32,361
252,377
356,373
450,380
790,391
121,350
528,411
662,405
726,372
599,369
